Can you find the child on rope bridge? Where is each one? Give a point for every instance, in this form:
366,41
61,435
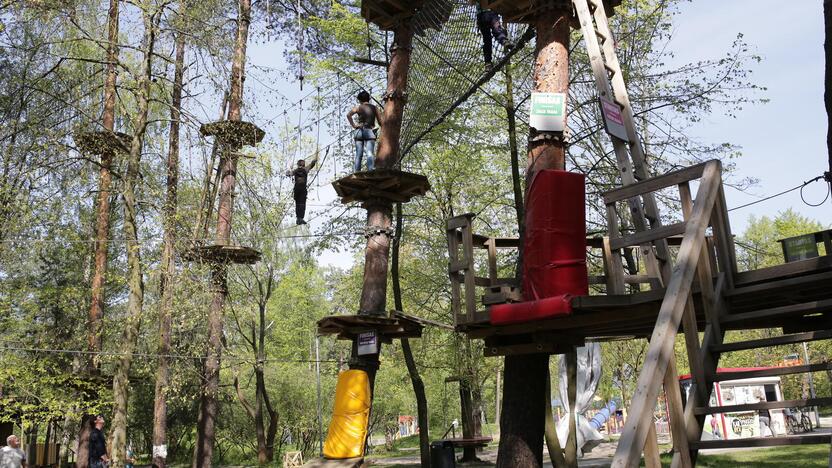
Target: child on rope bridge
365,136
488,22
300,191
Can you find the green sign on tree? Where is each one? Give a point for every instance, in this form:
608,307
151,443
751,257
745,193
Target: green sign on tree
548,112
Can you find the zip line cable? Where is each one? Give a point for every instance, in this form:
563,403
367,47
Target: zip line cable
798,187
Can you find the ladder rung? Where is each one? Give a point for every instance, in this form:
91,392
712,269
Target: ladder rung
787,311
460,265
773,341
773,371
601,36
808,439
612,70
765,405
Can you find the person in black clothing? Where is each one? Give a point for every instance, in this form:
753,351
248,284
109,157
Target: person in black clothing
300,191
488,22
98,445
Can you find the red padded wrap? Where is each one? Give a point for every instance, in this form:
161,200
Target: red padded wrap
554,258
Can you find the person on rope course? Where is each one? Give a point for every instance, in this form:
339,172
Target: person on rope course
488,22
365,134
300,191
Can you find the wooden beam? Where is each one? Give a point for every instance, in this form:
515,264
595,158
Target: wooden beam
660,349
774,371
651,235
808,439
766,405
780,312
784,271
774,341
655,183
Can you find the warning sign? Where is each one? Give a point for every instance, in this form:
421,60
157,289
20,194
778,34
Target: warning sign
367,343
547,112
613,120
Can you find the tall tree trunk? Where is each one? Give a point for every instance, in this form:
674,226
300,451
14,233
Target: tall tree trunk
522,423
102,227
412,370
135,282
168,267
228,166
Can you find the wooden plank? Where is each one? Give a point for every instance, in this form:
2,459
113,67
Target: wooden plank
468,253
808,439
651,235
780,284
660,349
614,268
766,405
654,183
781,312
673,393
774,371
491,245
785,270
774,341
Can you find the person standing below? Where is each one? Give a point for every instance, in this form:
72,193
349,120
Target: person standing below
488,22
98,445
300,191
364,136
11,456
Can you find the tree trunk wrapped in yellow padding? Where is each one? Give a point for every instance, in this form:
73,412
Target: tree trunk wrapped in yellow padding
348,427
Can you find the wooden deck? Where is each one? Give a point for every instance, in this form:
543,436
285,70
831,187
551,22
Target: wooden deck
221,254
800,301
347,327
387,184
525,11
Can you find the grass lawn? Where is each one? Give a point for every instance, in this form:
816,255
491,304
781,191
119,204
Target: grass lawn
805,456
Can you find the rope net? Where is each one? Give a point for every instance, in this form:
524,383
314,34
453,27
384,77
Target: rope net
447,65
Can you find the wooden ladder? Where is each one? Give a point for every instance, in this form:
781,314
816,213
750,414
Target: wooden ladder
694,263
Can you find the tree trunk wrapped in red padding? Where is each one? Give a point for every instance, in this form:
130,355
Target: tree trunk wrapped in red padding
554,255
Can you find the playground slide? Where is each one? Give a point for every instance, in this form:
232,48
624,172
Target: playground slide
602,416
348,428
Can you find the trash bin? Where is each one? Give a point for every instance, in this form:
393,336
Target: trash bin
442,454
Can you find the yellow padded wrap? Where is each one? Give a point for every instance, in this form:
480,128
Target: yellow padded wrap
348,427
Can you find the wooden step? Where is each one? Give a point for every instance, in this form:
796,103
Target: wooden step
808,439
765,405
822,366
781,312
773,341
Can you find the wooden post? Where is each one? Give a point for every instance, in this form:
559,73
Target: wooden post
523,423
228,170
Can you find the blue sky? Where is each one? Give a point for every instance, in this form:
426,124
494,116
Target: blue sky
783,141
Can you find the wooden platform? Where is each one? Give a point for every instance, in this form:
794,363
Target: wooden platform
526,11
233,133
347,327
388,184
796,303
103,142
223,254
420,14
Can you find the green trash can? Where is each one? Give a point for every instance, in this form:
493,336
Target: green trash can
442,454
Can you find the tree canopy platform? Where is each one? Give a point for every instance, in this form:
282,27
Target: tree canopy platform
526,11
388,184
348,327
421,14
233,133
103,142
222,254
